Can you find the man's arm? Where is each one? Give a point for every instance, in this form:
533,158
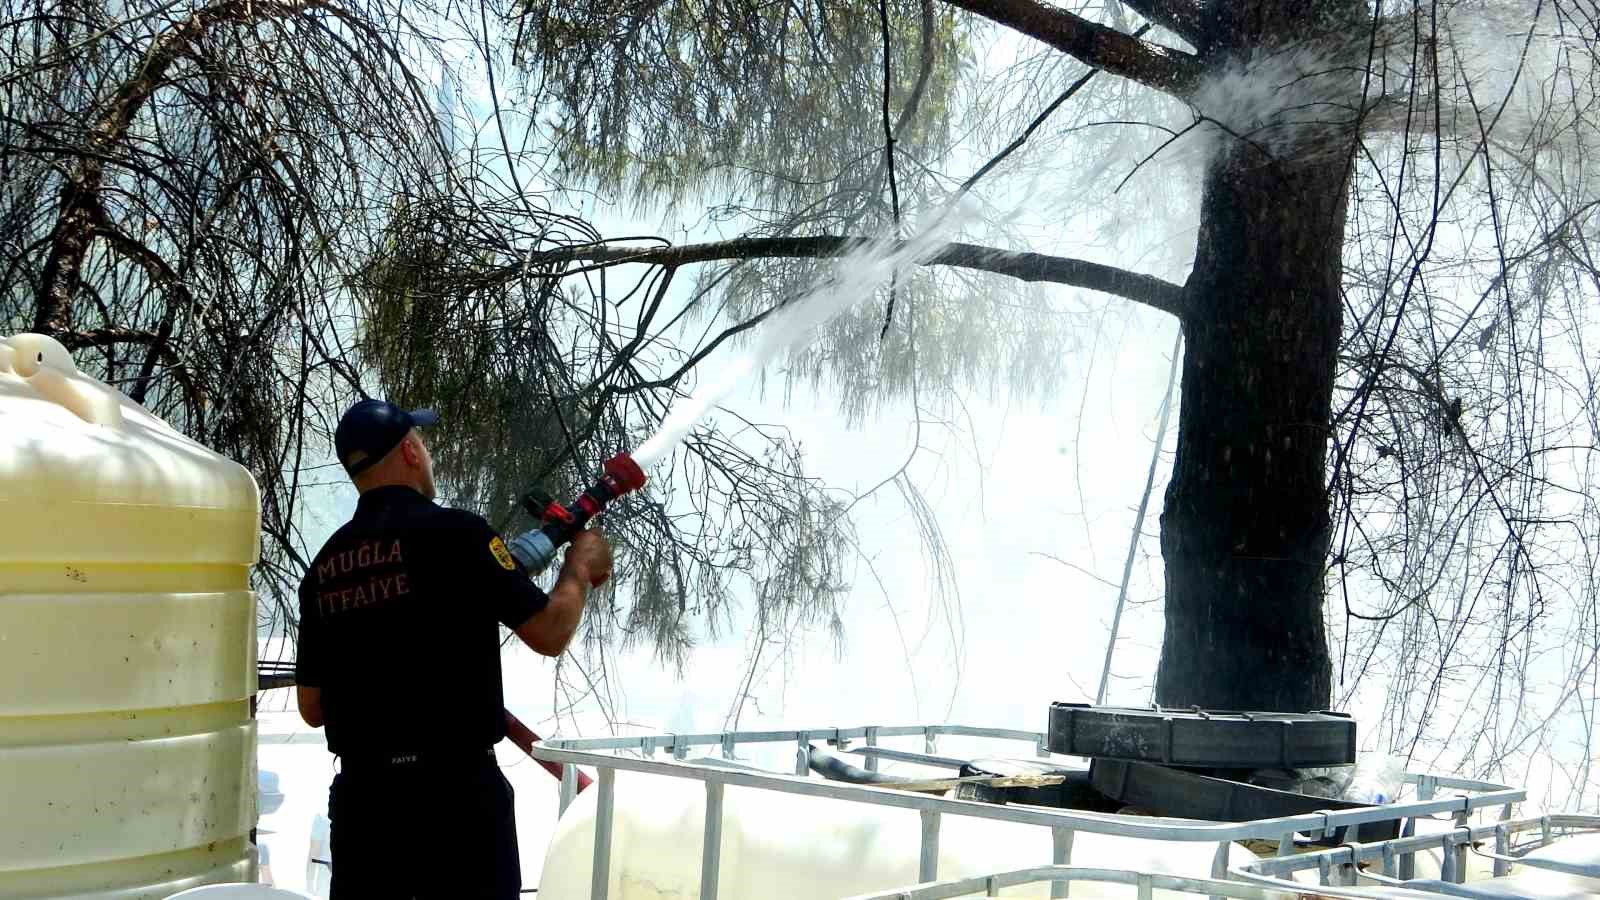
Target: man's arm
309,699
308,660
545,622
588,562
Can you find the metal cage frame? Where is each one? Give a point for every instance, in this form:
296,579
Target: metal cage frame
605,755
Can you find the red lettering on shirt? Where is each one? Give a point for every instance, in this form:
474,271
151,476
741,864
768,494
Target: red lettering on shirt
373,592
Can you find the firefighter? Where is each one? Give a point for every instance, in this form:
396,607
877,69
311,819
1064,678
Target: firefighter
399,659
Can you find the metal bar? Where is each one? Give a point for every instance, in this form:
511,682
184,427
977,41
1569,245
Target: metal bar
928,866
1502,845
967,886
1355,853
1146,888
1408,861
569,787
711,851
802,757
872,741
1219,864
1010,734
1454,783
930,739
600,884
1061,855
1582,870
1353,871
925,759
739,737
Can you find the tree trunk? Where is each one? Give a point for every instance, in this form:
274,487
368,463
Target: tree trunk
1245,531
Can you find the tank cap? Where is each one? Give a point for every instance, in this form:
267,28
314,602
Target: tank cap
31,352
48,368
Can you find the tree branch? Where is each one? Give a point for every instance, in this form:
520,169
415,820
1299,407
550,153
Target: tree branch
1150,291
80,196
154,266
104,337
178,300
888,150
1172,71
924,70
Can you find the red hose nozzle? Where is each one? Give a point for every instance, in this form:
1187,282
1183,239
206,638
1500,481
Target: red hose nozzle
625,472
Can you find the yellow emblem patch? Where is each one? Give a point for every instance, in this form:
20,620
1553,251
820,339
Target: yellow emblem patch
501,554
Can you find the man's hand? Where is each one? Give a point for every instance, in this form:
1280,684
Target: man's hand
588,564
588,558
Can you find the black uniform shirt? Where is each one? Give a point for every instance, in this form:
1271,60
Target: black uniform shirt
398,627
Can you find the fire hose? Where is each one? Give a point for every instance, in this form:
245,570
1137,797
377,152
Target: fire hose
523,737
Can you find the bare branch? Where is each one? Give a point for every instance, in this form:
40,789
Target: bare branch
105,337
924,69
1172,71
1037,267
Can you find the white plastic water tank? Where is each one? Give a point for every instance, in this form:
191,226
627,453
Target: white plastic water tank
127,643
780,846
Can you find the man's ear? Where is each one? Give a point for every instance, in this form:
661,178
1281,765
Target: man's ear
411,451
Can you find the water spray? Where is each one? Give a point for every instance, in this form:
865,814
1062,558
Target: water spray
855,276
537,547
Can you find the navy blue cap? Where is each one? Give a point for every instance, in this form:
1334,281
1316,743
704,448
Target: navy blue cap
371,428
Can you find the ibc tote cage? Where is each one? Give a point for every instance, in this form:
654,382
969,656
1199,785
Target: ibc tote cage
1256,880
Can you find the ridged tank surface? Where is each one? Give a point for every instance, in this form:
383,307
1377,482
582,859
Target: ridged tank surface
127,643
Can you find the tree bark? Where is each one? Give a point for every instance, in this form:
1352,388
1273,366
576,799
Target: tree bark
1100,46
1245,530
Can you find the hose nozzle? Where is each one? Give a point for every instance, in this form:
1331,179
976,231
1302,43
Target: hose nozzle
535,549
626,473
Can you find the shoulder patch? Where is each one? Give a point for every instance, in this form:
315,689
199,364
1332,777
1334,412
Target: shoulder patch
501,554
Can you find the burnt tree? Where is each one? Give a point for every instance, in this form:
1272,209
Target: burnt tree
1321,437
1246,528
